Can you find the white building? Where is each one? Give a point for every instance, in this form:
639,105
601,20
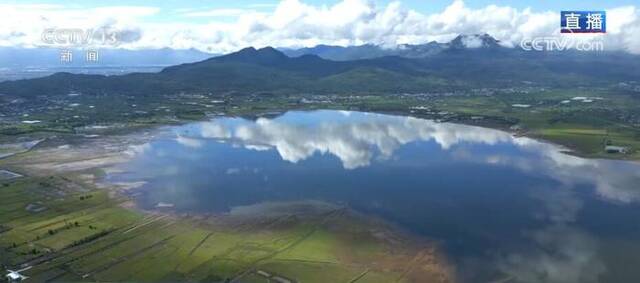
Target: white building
14,276
615,149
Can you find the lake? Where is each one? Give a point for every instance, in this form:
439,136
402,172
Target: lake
499,204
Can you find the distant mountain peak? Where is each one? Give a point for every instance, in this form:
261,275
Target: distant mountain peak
463,42
266,56
249,49
472,41
269,50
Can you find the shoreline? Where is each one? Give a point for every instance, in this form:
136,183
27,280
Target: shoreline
494,123
325,218
89,159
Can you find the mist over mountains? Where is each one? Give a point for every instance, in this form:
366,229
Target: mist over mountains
464,63
12,58
369,51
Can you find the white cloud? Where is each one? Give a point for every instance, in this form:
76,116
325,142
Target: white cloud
216,13
214,130
23,25
263,5
472,42
561,254
358,143
355,144
189,142
295,23
138,149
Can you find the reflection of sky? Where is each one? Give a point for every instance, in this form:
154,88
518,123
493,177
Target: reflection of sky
356,139
519,199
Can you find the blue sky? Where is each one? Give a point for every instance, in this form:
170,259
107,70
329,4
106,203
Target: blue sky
168,7
224,26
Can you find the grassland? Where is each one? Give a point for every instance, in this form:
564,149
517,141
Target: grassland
68,230
607,118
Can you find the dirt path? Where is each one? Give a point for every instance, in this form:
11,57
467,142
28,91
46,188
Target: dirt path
292,245
124,258
418,258
360,276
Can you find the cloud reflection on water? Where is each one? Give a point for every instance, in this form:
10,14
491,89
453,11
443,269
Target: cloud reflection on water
359,142
355,144
559,250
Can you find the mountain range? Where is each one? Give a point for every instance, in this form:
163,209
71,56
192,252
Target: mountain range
369,51
461,64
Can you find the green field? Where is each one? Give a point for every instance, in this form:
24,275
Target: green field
88,235
68,230
583,127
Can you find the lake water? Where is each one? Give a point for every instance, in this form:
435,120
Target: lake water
501,205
